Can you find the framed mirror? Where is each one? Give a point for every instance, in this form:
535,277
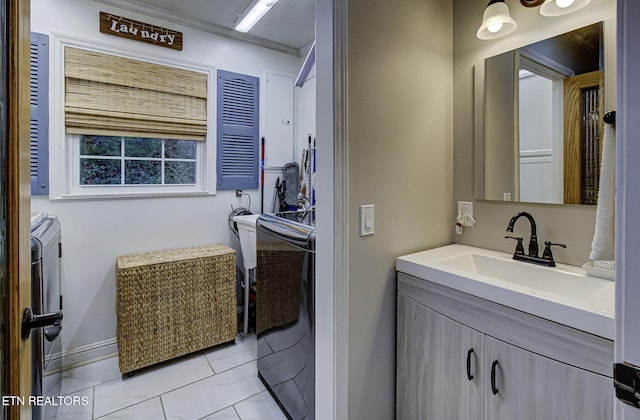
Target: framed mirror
539,121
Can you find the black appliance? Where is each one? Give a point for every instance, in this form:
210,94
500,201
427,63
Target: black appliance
46,295
285,308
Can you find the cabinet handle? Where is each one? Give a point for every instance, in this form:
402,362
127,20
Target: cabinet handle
493,377
469,375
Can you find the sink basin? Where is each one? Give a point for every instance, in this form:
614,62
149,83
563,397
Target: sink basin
537,279
564,294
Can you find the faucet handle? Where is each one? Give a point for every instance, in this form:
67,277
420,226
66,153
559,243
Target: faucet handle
519,246
546,254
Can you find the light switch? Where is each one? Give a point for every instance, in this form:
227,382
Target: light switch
367,219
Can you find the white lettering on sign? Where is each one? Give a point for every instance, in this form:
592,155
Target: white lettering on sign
140,31
118,27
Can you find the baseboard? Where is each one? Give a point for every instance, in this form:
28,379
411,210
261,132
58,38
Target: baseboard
90,353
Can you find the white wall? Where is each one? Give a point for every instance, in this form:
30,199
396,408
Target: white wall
96,231
399,122
305,124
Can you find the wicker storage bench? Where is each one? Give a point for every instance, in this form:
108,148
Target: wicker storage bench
171,303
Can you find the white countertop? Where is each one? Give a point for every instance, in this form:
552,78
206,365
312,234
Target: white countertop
563,294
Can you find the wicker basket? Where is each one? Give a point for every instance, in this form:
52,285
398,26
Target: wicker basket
278,285
171,303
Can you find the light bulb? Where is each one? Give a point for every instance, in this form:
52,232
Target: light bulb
494,27
564,3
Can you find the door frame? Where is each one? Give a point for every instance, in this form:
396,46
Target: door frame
18,203
627,342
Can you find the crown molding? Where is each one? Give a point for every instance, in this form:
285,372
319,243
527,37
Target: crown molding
201,25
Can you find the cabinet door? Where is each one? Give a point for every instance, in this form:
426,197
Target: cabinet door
533,387
435,378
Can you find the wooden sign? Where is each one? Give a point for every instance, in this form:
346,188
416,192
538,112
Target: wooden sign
140,31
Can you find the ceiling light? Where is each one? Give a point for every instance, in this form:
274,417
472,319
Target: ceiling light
496,21
252,14
561,7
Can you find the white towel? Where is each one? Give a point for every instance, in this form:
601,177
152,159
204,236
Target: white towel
603,245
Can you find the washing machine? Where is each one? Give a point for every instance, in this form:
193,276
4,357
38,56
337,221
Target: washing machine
46,298
285,313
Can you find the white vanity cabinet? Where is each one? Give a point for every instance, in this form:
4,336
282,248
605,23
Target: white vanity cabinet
540,369
530,386
437,351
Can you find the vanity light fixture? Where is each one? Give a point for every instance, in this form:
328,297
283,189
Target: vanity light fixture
496,21
252,14
561,7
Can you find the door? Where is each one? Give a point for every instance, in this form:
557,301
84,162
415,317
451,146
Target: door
443,376
16,197
627,343
577,116
524,385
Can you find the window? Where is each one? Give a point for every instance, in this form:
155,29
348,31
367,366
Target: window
112,160
39,114
134,127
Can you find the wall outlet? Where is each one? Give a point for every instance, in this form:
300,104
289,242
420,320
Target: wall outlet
467,208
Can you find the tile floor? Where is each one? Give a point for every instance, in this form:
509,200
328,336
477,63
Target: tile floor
215,384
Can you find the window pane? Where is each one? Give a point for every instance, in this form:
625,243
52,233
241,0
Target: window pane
180,149
142,172
100,145
99,171
180,172
141,147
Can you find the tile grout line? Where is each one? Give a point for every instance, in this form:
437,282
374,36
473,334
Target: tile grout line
93,401
236,411
129,406
164,412
233,405
230,405
214,373
154,396
209,362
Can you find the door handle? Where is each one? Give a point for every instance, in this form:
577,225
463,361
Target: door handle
469,375
31,321
493,377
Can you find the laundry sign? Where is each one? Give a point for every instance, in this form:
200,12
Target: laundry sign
140,31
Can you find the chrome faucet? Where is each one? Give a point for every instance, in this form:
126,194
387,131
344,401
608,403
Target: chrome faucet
532,257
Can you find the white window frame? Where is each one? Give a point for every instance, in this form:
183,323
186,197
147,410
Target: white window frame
64,149
78,189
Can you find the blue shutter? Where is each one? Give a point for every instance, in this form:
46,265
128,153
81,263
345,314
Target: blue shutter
39,114
237,131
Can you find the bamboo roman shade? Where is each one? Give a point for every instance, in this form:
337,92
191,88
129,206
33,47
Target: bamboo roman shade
111,95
